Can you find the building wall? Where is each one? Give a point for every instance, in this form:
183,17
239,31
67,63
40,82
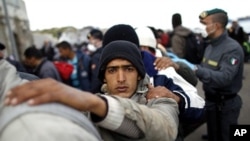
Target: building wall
19,24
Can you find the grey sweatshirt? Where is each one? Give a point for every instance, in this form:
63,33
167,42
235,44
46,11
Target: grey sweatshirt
10,78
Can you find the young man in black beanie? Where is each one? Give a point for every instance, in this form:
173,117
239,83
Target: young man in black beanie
191,105
128,110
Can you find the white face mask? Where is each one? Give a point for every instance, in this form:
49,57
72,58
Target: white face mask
211,31
204,34
91,48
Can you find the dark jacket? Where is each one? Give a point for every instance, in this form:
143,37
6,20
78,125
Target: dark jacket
178,40
46,69
48,52
95,82
84,71
222,68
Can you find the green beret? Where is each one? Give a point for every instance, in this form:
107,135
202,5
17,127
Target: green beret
204,14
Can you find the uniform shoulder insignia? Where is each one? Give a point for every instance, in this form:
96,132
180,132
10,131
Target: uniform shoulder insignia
234,61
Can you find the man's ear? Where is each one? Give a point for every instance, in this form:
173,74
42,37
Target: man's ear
104,80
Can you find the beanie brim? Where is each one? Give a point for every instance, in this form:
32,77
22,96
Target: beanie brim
121,50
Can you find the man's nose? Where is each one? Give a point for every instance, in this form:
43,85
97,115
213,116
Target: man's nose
121,76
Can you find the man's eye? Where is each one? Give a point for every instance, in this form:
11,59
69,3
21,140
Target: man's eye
111,70
130,69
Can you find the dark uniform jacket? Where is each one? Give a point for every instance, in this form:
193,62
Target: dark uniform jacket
222,67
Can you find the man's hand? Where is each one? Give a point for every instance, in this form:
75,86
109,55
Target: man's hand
162,63
49,90
160,91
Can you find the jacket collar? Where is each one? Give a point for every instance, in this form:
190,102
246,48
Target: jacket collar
219,39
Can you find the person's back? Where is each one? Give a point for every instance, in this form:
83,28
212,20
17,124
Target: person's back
41,67
47,70
39,123
48,51
236,32
178,40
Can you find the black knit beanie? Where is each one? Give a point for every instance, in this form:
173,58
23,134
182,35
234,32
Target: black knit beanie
124,50
176,20
120,32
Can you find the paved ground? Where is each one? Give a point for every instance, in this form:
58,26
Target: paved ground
244,115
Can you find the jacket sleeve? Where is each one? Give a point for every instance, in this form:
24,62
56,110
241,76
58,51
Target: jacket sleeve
187,73
158,120
228,67
193,103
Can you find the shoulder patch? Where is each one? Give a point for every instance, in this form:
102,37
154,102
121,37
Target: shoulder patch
234,61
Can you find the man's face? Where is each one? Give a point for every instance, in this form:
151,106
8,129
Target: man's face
30,61
210,26
234,24
93,41
64,52
121,78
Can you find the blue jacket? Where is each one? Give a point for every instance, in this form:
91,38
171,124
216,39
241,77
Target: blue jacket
83,71
191,105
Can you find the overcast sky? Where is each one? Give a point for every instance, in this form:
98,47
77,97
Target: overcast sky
45,14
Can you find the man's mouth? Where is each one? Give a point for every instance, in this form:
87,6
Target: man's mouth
122,89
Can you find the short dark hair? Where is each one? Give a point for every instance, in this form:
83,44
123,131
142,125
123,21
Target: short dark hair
2,46
95,33
64,45
33,52
221,18
176,20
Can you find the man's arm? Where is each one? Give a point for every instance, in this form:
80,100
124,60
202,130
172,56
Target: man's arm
159,117
137,121
49,90
191,104
180,67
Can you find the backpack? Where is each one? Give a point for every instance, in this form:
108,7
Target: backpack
64,69
194,48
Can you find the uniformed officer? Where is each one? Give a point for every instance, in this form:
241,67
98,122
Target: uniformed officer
221,74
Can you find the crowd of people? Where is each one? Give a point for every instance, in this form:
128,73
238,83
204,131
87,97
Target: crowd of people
137,84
